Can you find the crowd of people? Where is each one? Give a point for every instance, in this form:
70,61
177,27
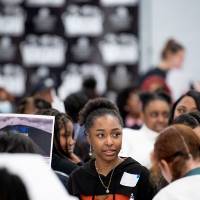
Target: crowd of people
143,146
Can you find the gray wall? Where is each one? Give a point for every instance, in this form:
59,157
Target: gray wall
161,19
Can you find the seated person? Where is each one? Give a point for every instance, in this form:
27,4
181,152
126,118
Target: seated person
138,144
63,157
107,176
191,119
176,154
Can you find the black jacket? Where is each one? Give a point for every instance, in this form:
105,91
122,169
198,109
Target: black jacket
63,165
85,184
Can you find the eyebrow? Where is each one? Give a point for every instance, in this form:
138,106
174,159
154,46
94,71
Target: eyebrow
114,129
100,130
181,106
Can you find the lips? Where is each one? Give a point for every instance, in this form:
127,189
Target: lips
110,152
70,150
160,127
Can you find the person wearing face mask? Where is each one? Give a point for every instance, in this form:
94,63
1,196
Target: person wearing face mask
155,113
6,101
177,155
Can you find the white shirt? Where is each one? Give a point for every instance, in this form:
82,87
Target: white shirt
40,181
181,86
138,144
186,188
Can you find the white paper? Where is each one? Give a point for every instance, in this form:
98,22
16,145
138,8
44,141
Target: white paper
129,180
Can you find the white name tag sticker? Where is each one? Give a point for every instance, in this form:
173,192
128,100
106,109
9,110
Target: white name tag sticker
129,180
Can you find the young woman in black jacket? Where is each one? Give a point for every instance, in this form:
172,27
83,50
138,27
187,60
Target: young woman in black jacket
107,176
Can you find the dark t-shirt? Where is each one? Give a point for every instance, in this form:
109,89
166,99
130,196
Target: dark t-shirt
62,165
85,183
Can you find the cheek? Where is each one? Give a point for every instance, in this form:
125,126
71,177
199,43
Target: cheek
177,61
176,114
67,141
94,142
119,144
120,139
62,141
150,120
197,131
70,141
165,119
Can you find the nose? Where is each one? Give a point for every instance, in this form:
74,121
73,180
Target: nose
161,119
71,141
109,140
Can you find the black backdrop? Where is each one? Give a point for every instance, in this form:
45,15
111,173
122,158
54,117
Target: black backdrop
44,37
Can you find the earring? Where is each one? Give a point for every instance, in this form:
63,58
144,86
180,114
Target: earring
90,151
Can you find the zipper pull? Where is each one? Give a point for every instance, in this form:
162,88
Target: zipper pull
131,197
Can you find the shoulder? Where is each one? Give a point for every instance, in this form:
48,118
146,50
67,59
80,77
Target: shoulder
167,193
61,164
156,71
179,188
83,171
132,166
82,180
151,71
137,176
136,167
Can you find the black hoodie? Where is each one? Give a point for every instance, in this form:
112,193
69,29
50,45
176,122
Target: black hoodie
85,183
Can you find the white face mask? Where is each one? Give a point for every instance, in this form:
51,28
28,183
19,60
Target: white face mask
5,107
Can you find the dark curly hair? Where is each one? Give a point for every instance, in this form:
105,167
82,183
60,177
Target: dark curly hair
96,108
